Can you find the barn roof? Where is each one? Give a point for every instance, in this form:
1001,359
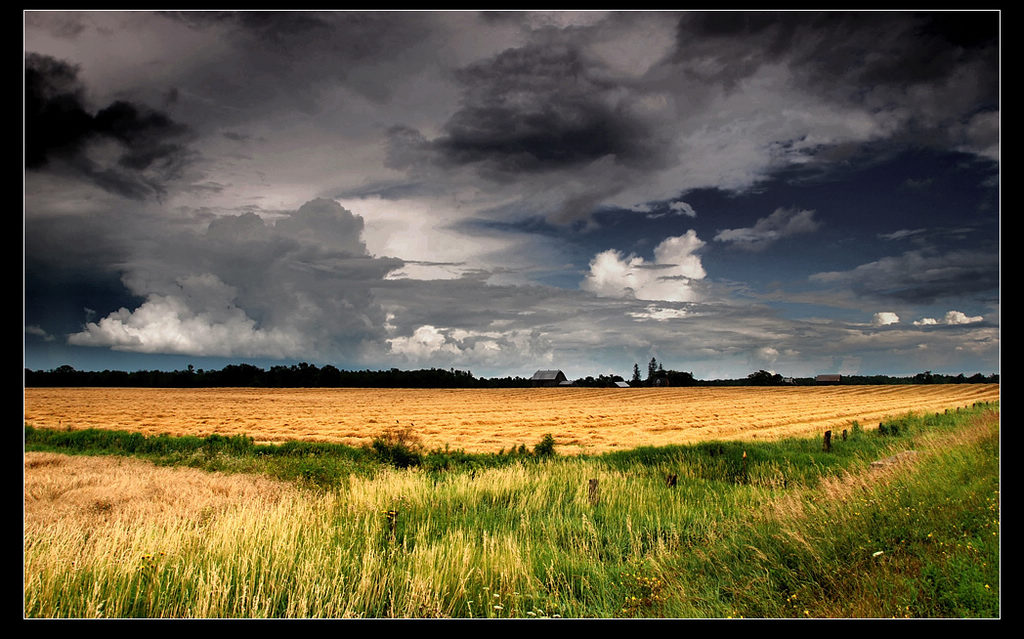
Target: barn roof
827,378
547,375
622,384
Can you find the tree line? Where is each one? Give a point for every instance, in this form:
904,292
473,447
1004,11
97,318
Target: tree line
306,375
301,375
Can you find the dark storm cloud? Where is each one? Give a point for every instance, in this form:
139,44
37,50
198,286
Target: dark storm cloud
923,276
579,127
928,69
59,128
55,120
856,49
60,25
272,25
534,109
293,54
538,108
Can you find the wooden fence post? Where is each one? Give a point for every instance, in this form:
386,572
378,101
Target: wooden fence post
392,521
827,446
844,434
592,491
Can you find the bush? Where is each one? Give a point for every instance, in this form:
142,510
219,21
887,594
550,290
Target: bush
398,455
399,447
546,446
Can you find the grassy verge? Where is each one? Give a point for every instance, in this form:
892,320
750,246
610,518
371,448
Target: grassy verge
782,529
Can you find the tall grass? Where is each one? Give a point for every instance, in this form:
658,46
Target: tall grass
787,531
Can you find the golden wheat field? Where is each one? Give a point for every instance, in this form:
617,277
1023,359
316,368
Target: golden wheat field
581,420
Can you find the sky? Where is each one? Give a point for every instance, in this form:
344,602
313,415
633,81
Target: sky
500,192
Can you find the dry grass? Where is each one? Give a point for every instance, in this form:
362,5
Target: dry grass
580,419
849,485
95,491
101,534
118,537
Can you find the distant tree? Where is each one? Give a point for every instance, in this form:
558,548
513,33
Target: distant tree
652,370
636,375
678,378
764,378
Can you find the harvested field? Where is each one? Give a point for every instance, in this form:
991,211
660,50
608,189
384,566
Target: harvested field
487,420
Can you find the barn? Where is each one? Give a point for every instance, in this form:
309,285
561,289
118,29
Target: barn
827,379
548,378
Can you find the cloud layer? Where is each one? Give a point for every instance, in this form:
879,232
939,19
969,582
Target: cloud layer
297,287
508,189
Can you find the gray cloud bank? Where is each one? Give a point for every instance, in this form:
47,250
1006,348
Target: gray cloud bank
300,287
204,175
706,100
149,147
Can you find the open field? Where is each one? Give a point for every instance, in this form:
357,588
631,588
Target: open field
582,420
805,533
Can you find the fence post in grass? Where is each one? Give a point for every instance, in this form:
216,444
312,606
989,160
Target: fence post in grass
670,481
827,446
592,492
844,434
392,521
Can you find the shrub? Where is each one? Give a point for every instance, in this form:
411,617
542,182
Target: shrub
399,447
546,446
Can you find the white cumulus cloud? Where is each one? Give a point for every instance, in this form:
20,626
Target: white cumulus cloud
952,318
885,318
660,314
203,320
669,277
298,287
425,341
956,317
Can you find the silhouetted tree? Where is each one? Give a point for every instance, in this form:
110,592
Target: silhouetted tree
764,378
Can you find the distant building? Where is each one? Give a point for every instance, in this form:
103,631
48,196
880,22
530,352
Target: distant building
788,380
622,384
548,378
827,379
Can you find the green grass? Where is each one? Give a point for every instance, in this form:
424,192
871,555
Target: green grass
789,530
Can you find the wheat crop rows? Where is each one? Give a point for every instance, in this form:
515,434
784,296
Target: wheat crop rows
487,420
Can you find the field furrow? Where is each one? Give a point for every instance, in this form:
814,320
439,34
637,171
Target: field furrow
487,420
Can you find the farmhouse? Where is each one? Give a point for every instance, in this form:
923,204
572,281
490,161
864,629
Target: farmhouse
827,379
622,384
549,378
